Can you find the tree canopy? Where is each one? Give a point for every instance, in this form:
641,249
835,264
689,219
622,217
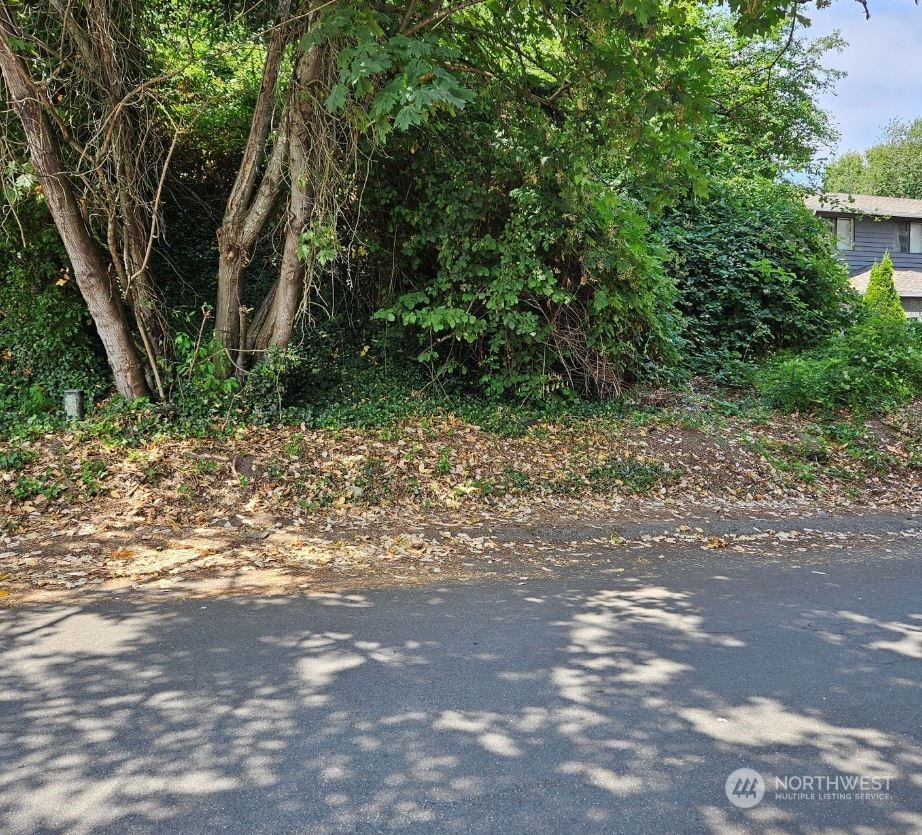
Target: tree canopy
482,181
892,168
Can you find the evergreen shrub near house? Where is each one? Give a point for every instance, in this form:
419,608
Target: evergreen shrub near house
872,366
755,273
881,295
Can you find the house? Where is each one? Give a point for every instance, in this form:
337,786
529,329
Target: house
865,228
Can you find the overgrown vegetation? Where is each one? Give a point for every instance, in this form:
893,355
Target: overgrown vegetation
520,269
375,213
47,340
755,274
873,366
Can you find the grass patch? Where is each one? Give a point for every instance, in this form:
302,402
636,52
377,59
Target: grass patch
632,476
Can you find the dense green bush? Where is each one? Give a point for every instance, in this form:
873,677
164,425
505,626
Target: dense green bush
755,272
881,295
522,268
872,366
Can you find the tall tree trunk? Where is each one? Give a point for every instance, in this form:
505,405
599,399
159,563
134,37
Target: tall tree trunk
136,233
310,142
232,261
108,46
95,283
252,198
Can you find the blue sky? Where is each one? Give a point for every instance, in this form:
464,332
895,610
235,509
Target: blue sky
884,65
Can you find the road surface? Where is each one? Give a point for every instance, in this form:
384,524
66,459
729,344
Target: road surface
609,699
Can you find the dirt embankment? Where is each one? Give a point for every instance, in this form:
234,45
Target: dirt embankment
286,509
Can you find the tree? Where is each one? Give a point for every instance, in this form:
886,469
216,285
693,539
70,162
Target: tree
847,174
754,269
91,271
95,92
764,91
881,295
892,168
361,73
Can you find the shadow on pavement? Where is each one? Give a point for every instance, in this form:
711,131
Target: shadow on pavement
614,703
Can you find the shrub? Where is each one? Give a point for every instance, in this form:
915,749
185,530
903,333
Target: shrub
522,269
201,390
755,273
268,384
881,294
873,366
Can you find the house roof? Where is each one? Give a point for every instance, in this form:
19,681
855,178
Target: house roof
864,204
908,283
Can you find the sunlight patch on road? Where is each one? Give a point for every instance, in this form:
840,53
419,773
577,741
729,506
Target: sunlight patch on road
765,722
603,778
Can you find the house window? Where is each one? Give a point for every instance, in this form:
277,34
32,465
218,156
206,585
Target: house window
908,236
843,229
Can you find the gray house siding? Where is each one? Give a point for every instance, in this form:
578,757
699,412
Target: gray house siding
872,239
875,221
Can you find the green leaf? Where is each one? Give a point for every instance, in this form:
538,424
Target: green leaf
337,98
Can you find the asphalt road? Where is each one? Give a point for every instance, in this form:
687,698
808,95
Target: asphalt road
610,700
